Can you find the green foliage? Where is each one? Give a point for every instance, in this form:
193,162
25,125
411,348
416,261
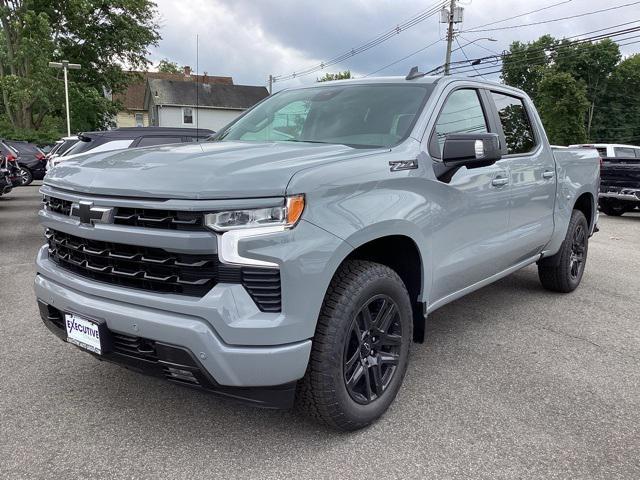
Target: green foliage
618,117
527,64
50,130
166,66
562,103
335,76
598,74
101,36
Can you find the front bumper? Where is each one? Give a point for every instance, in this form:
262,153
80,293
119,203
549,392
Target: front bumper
228,365
626,194
173,363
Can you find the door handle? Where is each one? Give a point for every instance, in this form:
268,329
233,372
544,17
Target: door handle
500,181
548,174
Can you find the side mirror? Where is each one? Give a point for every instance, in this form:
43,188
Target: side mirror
471,150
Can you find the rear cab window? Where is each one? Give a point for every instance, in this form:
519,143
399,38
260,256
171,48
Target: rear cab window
625,152
516,124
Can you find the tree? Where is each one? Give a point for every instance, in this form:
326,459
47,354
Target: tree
618,117
591,64
102,36
335,76
166,66
526,63
562,104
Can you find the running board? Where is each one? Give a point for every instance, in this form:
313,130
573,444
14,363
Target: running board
483,283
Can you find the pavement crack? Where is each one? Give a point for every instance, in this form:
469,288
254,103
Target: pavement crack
577,337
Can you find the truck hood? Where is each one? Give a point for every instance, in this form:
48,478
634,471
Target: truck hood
210,170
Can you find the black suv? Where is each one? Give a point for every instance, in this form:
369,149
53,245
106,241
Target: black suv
132,137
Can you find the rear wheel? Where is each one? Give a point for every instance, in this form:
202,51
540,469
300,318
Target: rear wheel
613,209
360,349
563,271
26,177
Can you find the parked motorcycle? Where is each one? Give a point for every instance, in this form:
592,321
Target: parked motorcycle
6,185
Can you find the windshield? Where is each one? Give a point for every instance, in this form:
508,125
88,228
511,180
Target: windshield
366,116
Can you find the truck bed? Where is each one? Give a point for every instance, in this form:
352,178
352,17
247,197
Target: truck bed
617,173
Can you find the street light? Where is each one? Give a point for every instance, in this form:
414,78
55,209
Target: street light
474,41
65,65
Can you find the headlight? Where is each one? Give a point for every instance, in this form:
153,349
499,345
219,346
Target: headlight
285,216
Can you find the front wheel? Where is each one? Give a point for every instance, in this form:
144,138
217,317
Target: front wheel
361,347
563,271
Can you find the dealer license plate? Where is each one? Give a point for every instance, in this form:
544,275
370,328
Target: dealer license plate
83,332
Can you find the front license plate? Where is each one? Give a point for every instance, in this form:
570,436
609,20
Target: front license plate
83,332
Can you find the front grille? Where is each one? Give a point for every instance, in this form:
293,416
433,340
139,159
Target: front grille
151,218
158,270
134,266
134,346
57,205
139,217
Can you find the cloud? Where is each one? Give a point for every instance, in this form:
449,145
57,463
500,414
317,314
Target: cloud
249,40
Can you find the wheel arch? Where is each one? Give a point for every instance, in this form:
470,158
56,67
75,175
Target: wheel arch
401,253
585,203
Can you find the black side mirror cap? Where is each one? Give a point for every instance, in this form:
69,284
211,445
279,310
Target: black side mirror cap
471,150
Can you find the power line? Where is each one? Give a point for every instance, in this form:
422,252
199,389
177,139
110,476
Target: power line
462,66
429,12
538,59
520,15
465,56
404,58
476,30
578,40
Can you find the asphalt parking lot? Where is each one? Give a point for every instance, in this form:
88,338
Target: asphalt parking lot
512,382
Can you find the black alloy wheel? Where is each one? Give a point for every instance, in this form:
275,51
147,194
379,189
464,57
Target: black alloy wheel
373,350
577,256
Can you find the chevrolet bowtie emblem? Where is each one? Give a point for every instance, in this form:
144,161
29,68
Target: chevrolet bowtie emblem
91,215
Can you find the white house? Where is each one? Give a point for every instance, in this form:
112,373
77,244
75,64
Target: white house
171,103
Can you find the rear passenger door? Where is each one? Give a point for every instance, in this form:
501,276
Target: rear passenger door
532,177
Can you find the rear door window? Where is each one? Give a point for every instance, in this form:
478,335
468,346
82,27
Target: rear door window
150,141
516,124
462,113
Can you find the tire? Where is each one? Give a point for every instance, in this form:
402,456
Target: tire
613,208
338,352
563,271
26,177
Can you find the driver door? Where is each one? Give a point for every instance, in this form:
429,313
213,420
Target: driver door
471,232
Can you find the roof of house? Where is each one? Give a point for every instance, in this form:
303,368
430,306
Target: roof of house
170,92
133,97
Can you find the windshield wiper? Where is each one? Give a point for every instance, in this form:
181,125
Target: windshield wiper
308,141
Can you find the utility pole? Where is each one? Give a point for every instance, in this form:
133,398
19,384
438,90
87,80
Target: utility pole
451,17
270,83
65,65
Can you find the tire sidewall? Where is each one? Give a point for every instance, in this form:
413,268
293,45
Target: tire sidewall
577,219
394,288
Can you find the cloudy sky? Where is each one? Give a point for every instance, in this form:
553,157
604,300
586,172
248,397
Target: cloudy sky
250,39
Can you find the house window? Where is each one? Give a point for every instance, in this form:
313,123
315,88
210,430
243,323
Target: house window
187,115
139,120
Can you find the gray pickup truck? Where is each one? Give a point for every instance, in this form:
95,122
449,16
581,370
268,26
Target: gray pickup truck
299,252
